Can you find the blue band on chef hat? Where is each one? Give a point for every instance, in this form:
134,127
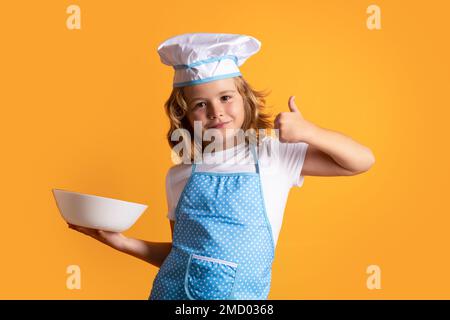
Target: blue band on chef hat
196,63
223,76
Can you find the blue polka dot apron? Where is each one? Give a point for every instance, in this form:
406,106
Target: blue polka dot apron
222,241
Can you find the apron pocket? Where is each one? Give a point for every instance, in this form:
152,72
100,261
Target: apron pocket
209,278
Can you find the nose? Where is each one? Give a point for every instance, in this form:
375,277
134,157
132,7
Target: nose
214,110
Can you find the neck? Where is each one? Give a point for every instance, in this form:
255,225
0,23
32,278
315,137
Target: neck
227,144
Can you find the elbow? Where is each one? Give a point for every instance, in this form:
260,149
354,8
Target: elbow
366,163
371,160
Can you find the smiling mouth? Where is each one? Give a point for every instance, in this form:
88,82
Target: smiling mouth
220,125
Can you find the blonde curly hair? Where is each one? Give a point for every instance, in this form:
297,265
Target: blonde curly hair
256,115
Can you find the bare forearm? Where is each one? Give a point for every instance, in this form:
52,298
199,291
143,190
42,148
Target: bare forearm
344,150
152,252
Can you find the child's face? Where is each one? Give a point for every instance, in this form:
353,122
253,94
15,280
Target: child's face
215,102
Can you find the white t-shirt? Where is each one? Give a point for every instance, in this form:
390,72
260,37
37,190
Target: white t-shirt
280,167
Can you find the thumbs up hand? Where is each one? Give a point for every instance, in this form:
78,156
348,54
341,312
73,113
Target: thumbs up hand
291,125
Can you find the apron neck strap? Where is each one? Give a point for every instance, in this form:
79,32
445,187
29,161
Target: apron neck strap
194,165
255,156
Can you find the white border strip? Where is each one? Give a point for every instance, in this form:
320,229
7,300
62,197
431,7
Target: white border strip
231,264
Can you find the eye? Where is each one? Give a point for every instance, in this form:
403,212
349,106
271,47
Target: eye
198,105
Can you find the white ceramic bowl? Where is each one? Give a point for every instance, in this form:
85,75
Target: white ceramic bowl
97,212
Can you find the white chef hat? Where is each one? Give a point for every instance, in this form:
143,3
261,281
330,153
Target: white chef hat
204,57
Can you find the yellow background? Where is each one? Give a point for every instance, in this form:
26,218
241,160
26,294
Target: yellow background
83,110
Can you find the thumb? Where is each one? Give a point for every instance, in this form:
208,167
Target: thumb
292,106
